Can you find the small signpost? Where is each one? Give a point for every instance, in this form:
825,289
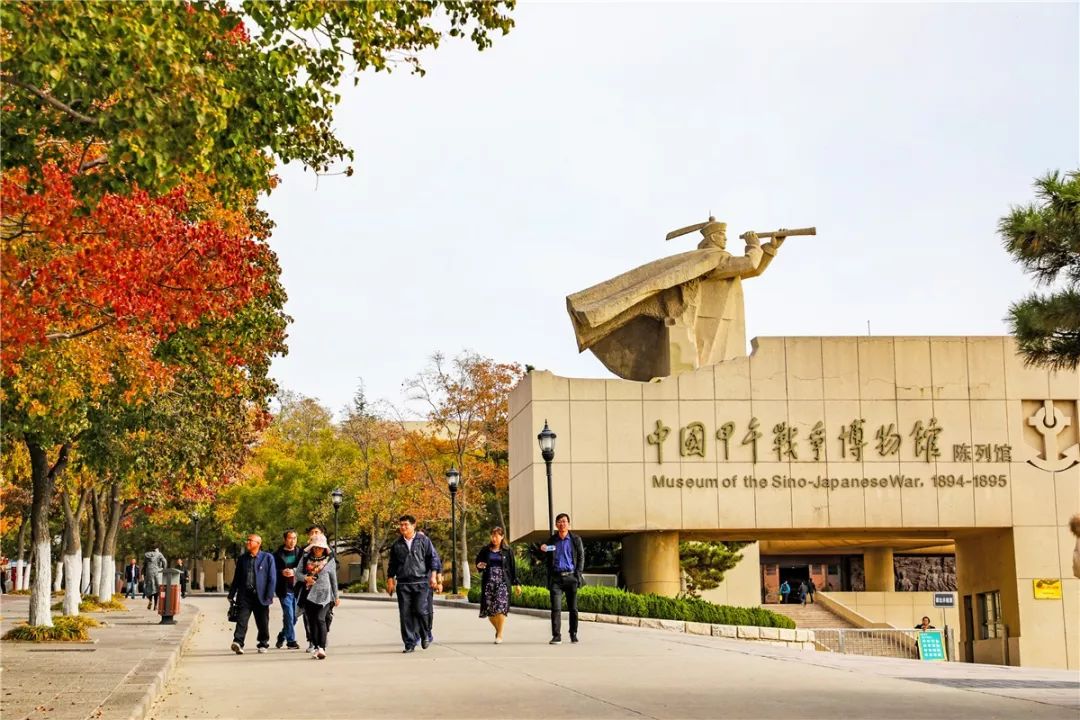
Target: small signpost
944,600
932,645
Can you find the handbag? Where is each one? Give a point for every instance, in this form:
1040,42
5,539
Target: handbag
234,612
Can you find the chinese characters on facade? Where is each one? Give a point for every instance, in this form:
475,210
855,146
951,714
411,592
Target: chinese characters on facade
854,441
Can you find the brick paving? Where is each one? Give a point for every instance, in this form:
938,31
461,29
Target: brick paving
115,676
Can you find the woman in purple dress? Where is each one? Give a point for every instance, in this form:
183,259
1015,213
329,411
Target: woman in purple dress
496,560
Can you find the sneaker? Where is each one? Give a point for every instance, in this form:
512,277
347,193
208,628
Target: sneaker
573,638
237,648
262,650
498,641
293,646
280,641
320,654
310,648
555,641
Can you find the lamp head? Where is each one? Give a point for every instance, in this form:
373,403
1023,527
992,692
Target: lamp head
453,479
546,438
336,496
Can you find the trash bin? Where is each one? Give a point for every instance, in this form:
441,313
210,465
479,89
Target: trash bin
169,596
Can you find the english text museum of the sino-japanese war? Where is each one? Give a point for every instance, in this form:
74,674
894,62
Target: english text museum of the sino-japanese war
881,469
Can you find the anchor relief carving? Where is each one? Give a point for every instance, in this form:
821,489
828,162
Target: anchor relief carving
1051,423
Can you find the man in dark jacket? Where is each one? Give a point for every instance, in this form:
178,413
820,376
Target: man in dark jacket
411,572
565,561
286,559
252,590
131,578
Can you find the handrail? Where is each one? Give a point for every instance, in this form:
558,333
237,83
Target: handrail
852,616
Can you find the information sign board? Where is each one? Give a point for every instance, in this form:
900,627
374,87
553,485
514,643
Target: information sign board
932,645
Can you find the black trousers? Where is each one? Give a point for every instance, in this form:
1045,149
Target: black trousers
301,605
563,585
317,616
430,611
412,600
249,605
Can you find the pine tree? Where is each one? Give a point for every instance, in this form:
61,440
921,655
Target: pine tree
1044,237
706,562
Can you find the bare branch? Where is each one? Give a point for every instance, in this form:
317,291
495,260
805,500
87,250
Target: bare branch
55,103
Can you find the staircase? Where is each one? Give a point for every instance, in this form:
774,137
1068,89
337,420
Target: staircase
810,616
833,633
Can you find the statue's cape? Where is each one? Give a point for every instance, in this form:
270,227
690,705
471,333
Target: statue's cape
603,308
620,317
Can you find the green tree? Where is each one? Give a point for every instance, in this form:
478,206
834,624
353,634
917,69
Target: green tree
706,562
157,91
1044,237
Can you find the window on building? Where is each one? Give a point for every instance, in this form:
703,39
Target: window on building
990,621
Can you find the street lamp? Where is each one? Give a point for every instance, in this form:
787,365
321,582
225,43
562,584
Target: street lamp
453,477
195,554
546,439
336,497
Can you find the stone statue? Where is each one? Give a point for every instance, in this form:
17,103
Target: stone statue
676,314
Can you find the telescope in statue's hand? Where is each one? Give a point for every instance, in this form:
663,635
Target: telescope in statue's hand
782,233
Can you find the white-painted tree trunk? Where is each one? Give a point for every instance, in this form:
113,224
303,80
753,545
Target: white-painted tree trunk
95,573
73,565
41,592
108,578
220,581
58,575
466,576
85,589
19,576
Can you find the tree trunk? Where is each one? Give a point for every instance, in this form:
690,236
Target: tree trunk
99,542
73,561
466,576
373,558
87,581
44,482
108,560
20,571
58,573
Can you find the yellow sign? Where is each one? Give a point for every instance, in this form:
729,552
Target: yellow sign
1047,588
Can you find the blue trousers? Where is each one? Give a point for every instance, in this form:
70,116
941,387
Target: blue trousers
288,617
412,600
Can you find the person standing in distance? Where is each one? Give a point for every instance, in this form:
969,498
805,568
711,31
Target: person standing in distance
412,572
153,567
565,560
286,558
253,589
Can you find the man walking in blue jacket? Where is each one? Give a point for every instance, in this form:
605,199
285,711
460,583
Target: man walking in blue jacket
252,590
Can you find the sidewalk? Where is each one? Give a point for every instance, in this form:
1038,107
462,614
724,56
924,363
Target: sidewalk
116,676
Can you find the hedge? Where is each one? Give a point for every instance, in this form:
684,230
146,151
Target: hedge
610,601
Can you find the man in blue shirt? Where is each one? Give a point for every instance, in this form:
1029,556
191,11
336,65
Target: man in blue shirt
565,560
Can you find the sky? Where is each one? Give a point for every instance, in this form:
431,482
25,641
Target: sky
488,190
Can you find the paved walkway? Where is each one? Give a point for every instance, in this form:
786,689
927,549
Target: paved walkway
115,676
614,672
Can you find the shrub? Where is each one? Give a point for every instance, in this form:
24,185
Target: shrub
64,629
611,601
91,603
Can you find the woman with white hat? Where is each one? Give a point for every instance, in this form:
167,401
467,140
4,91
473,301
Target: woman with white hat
318,573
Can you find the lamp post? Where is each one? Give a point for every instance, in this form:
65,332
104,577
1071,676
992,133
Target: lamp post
546,438
336,497
195,554
453,477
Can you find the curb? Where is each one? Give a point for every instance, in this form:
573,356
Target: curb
800,639
133,692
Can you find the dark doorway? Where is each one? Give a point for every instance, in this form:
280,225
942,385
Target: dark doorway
794,575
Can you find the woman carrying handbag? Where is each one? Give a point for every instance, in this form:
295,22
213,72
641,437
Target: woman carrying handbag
496,560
